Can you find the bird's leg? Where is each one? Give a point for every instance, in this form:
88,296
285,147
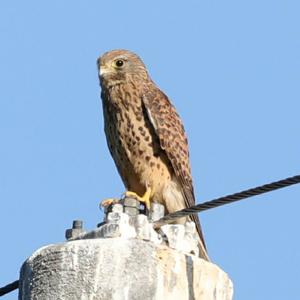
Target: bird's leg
144,199
107,202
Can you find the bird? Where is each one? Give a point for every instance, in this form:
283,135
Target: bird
146,137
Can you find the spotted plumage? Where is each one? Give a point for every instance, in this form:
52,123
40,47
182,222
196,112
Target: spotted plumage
145,135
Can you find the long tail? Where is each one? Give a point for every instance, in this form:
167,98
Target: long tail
202,247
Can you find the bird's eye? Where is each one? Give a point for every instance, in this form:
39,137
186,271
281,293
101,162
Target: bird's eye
119,63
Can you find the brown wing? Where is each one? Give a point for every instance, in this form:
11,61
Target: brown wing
170,132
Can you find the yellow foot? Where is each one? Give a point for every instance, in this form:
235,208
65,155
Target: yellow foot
144,199
107,202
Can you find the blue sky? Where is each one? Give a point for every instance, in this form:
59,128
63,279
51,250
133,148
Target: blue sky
232,69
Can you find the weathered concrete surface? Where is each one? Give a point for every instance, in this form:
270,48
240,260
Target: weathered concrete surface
117,269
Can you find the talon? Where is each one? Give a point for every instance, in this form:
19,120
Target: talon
144,199
107,202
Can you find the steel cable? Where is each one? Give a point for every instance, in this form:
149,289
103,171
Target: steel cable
9,288
202,207
228,199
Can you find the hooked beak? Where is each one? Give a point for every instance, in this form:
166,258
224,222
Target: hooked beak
103,70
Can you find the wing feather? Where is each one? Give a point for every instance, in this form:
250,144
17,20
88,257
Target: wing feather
169,129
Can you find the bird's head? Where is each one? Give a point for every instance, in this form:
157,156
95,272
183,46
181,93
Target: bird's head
120,66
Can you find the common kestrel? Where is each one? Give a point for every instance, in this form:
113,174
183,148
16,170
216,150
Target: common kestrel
145,136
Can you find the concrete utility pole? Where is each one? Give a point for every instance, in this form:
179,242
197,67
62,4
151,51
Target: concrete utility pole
124,258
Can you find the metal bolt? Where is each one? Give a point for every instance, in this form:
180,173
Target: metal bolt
157,211
131,206
75,231
117,208
77,224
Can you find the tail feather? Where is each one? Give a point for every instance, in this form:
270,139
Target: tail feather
202,247
175,199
